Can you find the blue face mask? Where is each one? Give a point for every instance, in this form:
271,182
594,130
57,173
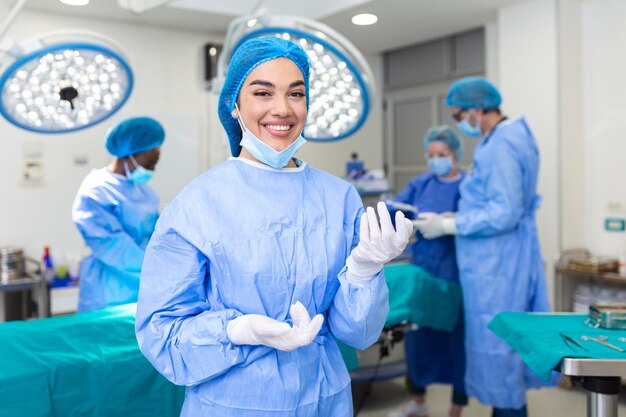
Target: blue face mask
140,175
440,166
467,129
265,153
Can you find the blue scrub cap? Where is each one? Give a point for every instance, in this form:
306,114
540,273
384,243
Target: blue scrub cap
473,93
447,135
134,135
246,58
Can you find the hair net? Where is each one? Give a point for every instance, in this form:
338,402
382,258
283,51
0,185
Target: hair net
134,135
473,93
446,135
246,58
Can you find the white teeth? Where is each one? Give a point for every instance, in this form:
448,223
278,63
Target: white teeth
278,127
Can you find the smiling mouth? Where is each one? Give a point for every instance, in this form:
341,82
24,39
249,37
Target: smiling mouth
278,127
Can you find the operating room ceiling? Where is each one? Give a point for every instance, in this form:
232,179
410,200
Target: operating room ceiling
401,22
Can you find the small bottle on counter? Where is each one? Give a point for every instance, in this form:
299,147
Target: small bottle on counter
48,266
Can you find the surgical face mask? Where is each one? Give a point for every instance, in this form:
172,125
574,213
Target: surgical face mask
140,175
441,166
265,153
468,129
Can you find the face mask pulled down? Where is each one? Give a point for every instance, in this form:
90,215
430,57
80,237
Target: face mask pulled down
265,153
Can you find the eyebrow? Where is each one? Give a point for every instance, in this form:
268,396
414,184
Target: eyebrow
269,84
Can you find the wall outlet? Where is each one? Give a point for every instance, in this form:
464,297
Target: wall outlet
612,224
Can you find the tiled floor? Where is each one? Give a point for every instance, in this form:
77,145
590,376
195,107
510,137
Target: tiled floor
555,402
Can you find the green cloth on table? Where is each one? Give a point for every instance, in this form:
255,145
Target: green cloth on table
417,297
81,365
535,336
86,365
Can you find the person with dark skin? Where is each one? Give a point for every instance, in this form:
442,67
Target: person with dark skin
116,211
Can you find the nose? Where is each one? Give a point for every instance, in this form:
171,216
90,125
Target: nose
282,107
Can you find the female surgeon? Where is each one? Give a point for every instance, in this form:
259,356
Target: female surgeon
116,211
434,356
263,261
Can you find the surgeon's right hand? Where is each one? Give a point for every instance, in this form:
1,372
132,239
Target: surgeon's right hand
256,329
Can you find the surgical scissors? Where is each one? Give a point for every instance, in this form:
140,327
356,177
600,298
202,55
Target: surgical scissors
569,342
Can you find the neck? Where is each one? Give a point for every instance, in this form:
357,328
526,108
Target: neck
117,166
451,174
245,154
489,120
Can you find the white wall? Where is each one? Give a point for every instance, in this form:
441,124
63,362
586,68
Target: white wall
573,157
604,123
527,77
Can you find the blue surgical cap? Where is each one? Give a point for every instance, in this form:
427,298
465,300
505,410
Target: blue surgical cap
447,135
246,58
473,93
134,135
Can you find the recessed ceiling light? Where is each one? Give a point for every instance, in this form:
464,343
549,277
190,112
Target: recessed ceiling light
364,19
75,2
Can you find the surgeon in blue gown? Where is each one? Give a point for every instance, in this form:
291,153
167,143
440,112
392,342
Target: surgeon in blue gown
498,252
261,263
433,356
115,211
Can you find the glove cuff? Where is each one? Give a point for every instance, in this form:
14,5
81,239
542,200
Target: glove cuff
238,331
360,272
448,225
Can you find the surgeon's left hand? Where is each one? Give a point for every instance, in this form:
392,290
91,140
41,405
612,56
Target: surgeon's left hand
379,243
434,225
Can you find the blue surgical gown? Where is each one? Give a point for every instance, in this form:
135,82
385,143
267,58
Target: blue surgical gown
500,263
433,356
244,238
116,219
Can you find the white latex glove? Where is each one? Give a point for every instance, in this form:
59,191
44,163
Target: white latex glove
434,225
378,244
256,329
402,206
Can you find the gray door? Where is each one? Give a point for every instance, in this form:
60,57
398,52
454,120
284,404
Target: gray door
410,113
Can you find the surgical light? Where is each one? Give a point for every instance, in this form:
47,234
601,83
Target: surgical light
340,83
364,19
61,81
65,86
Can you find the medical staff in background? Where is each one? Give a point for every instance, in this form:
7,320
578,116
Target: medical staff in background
115,211
263,262
433,356
498,252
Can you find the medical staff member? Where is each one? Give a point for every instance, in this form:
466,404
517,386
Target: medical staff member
497,247
433,356
263,261
115,211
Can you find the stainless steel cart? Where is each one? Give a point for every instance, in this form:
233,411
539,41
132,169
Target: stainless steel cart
601,378
31,281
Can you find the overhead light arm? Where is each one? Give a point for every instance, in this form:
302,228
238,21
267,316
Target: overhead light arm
140,6
11,16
